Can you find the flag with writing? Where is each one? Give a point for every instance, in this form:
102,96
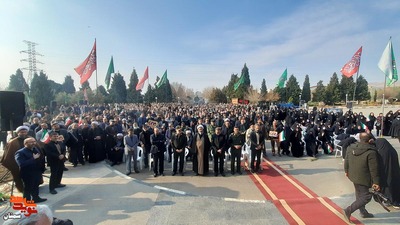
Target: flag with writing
140,84
110,71
238,83
86,68
282,79
45,136
163,80
387,64
352,66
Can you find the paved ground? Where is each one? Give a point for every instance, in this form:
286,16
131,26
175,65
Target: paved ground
100,194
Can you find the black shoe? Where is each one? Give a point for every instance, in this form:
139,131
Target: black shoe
252,171
182,174
162,174
216,174
53,192
113,164
155,175
60,185
233,173
66,169
174,173
196,174
128,173
39,200
223,174
239,172
346,215
137,171
366,215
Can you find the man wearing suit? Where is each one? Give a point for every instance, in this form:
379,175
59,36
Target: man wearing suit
257,146
157,141
178,143
131,142
55,153
30,165
236,142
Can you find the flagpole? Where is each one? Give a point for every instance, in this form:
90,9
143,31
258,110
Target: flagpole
355,83
97,86
383,107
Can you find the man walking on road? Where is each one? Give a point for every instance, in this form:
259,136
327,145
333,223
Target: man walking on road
362,168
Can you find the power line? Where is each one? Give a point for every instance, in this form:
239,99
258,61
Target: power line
31,59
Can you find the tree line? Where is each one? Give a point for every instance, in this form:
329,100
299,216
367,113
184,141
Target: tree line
43,90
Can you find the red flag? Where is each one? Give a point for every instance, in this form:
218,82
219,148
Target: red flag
140,84
86,68
351,67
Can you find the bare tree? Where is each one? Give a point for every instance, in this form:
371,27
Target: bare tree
272,96
253,95
207,92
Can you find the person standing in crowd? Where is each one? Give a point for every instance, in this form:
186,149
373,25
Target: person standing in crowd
275,129
178,144
395,128
40,134
218,146
86,140
131,142
145,143
189,142
236,142
55,158
361,166
8,160
168,136
96,143
371,121
31,170
387,123
110,135
378,124
75,143
200,148
390,171
157,141
257,147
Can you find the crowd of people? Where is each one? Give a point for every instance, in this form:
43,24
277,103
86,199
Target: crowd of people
176,132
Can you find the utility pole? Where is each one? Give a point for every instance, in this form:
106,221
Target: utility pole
31,60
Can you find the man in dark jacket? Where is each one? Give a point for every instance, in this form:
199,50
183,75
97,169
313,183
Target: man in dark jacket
55,158
219,145
178,144
362,168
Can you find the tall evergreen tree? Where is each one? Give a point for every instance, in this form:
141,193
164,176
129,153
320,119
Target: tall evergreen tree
306,92
68,85
229,90
40,96
333,90
133,95
164,93
263,90
149,96
241,91
118,89
362,91
293,90
346,87
375,95
319,93
17,82
217,96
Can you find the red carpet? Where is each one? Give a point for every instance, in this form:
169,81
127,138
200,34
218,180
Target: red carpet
297,203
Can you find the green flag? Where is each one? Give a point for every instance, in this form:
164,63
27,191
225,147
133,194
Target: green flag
238,83
387,64
163,80
109,72
282,79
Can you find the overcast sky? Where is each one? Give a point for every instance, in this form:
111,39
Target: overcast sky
200,43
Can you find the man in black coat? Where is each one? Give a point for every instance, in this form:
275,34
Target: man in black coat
257,146
178,144
55,158
218,146
30,164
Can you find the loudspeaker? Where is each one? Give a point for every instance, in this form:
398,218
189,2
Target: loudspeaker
12,110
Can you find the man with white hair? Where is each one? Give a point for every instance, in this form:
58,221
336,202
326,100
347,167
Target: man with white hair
8,159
